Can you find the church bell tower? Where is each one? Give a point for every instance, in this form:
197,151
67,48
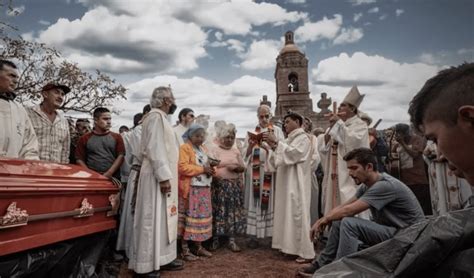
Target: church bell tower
291,78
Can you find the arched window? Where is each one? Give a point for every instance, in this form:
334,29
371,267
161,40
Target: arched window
293,83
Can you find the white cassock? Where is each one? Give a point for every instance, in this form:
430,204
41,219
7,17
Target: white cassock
315,160
155,225
180,130
292,160
17,137
350,135
259,222
132,150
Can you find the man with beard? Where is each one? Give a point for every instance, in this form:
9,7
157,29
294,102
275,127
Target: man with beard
51,127
392,203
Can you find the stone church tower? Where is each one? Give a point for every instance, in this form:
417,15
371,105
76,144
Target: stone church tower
291,77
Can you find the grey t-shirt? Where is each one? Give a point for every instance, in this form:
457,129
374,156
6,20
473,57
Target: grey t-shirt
391,202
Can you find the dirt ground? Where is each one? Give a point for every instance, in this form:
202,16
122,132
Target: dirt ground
260,262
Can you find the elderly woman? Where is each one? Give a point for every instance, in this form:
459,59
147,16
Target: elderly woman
195,208
227,196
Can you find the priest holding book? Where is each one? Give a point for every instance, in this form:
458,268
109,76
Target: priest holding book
259,180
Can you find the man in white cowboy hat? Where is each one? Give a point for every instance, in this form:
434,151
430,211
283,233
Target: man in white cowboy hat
346,132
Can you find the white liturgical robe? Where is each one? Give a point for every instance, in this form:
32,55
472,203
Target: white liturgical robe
155,225
292,159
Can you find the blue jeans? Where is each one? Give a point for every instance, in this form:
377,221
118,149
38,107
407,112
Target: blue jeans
347,234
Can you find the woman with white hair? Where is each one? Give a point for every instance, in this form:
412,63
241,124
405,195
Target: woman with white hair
227,196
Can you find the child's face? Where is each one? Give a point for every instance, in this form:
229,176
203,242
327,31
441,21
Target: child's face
198,138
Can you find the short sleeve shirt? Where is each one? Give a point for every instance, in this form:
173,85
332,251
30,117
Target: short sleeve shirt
391,202
99,151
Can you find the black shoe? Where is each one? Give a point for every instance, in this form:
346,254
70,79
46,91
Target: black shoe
309,270
153,274
177,264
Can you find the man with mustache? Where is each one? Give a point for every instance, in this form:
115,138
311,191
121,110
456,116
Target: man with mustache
101,150
18,138
51,127
392,204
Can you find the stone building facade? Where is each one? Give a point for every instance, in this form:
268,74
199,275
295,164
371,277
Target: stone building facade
292,92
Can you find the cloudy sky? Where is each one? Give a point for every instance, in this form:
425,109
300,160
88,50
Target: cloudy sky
219,56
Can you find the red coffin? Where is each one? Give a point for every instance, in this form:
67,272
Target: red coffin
42,203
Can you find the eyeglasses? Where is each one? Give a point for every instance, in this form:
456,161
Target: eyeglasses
267,116
191,115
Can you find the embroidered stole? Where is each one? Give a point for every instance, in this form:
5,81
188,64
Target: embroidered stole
261,192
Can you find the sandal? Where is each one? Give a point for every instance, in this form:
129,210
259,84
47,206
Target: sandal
234,247
203,252
188,256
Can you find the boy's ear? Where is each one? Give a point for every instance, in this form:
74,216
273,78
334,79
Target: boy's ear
466,115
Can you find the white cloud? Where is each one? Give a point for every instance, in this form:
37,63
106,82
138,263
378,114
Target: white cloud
218,44
463,51
44,22
349,35
14,11
374,10
297,1
218,35
383,17
357,16
237,17
127,40
236,45
398,12
361,2
388,85
323,29
239,97
128,32
429,58
261,55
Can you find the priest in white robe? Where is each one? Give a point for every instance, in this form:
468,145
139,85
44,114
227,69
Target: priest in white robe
292,159
259,179
156,214
346,132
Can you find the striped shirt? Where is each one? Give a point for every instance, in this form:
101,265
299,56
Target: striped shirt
53,137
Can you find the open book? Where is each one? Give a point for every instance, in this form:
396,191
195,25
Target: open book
255,137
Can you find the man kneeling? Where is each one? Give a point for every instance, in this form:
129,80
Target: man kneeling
392,203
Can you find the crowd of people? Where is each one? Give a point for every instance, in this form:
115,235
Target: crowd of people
351,186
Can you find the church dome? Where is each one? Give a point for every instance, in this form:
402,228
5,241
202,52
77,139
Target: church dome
289,44
289,48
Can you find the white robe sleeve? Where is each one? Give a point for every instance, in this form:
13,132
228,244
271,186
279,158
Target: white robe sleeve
315,158
154,148
349,137
290,154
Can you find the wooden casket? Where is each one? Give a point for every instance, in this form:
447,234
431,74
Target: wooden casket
43,203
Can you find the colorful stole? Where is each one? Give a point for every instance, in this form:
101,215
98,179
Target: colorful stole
260,192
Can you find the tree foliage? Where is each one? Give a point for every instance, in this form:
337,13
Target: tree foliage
39,64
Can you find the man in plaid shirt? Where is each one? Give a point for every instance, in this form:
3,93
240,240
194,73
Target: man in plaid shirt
51,127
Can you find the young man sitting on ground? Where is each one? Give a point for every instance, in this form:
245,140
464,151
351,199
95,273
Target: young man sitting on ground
392,203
